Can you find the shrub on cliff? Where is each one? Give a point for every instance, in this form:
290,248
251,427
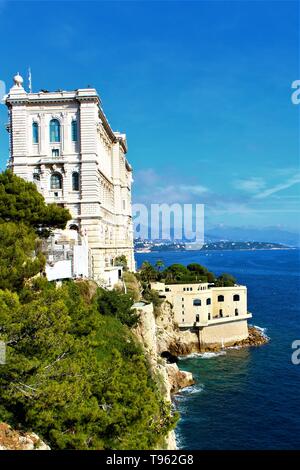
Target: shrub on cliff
132,285
77,378
152,296
118,305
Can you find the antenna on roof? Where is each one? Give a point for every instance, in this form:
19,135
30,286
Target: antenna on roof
29,80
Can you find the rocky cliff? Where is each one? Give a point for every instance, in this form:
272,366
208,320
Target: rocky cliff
154,338
18,440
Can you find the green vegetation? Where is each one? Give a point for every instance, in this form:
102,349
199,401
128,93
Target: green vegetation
178,273
20,256
77,378
74,372
116,304
151,295
24,215
132,285
121,261
225,280
21,202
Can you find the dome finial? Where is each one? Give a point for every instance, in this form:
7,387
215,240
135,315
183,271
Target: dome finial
18,80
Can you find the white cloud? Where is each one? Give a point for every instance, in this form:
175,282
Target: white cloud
279,187
250,185
147,176
193,189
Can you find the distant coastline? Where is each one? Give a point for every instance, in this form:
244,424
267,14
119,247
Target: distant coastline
153,246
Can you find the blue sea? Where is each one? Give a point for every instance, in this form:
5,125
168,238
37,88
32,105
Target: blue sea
246,398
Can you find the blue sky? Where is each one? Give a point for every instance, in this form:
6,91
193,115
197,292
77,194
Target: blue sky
202,89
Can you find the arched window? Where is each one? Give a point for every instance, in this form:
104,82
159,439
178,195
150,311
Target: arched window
54,130
196,302
74,133
56,181
208,301
75,181
220,298
236,297
35,133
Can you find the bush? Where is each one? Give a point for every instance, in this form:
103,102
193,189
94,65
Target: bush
118,305
132,285
152,296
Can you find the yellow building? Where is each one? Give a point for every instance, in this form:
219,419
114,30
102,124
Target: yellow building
219,314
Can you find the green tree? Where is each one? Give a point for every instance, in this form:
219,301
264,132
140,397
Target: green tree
147,272
177,272
159,265
20,255
225,280
118,305
20,201
197,268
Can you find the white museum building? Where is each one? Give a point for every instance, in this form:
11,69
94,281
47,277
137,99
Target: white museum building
63,142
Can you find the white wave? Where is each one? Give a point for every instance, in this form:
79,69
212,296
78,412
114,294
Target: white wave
262,330
210,355
206,355
192,389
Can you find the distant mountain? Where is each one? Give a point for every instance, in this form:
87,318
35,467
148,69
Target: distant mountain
268,234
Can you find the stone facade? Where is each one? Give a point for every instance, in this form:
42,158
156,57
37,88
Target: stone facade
63,142
217,314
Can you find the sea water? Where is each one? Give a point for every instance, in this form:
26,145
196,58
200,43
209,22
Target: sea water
246,398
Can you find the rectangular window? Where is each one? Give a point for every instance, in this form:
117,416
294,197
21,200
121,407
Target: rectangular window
74,131
35,133
55,152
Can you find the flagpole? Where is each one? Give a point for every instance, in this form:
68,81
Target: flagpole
29,80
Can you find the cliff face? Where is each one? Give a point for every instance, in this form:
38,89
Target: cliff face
155,340
169,338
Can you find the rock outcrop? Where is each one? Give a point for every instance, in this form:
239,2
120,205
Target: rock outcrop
170,338
178,379
18,440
